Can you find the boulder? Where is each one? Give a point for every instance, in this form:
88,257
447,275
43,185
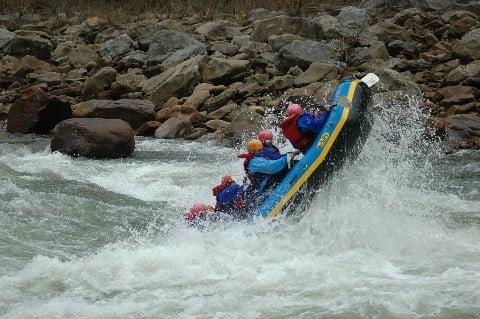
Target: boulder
93,138
37,112
469,45
226,48
172,24
352,15
6,37
166,43
391,80
128,82
99,82
216,125
407,49
463,131
279,41
217,30
117,47
77,55
178,81
469,73
319,72
47,77
246,123
174,127
143,31
451,91
304,53
30,45
30,64
148,128
134,112
218,69
222,112
377,51
283,24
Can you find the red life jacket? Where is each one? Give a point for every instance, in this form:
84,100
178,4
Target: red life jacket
291,132
248,157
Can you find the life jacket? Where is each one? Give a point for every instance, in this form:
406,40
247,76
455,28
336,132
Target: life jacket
256,179
237,203
271,152
290,130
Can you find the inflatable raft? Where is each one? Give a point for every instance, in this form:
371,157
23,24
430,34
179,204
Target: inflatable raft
342,138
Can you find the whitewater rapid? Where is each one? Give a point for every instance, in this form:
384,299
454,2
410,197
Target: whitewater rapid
395,234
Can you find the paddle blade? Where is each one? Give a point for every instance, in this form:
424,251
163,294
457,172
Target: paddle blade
370,79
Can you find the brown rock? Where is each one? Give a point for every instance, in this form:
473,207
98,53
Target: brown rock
98,82
220,100
134,112
222,112
463,131
174,127
94,138
218,69
215,125
450,91
37,112
283,24
30,64
463,109
197,133
148,128
246,122
458,99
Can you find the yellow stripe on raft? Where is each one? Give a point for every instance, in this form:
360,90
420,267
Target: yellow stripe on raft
320,159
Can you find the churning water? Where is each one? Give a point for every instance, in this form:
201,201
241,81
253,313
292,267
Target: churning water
395,234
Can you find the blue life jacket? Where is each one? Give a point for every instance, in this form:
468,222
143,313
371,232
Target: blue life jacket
270,152
230,197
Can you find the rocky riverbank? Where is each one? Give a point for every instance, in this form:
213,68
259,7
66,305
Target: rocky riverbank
190,78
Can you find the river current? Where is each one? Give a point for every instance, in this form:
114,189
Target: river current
395,234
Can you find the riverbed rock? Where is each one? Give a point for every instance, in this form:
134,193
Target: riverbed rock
174,127
168,43
246,123
319,72
262,14
134,112
277,42
94,138
148,128
463,131
117,47
28,64
6,37
218,69
217,30
352,15
31,45
178,81
469,45
48,77
303,53
283,24
98,82
128,82
37,112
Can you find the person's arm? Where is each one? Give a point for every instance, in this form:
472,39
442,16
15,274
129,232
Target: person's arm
228,195
262,165
311,123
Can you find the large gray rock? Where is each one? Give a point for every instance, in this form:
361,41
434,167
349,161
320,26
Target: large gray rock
174,127
284,24
279,41
469,45
134,112
30,45
6,37
94,138
77,55
220,69
117,47
217,30
304,53
47,77
352,15
319,72
98,82
178,81
37,112
167,42
378,51
391,80
246,123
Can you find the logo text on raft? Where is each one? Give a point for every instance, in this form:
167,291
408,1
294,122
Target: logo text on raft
323,140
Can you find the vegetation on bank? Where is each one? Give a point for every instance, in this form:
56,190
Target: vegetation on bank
124,10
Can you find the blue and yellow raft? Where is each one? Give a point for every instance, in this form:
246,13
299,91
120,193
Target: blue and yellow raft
342,138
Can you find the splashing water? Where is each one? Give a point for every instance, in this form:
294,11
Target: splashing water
393,235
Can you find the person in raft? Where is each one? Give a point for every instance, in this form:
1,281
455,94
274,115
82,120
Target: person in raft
229,195
301,128
261,171
269,150
198,213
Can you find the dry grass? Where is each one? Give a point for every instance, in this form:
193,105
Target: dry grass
124,10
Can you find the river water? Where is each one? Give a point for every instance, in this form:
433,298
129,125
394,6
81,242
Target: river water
395,234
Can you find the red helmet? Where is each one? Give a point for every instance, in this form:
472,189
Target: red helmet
227,179
294,109
197,210
265,136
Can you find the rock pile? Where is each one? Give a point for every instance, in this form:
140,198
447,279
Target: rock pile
186,78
